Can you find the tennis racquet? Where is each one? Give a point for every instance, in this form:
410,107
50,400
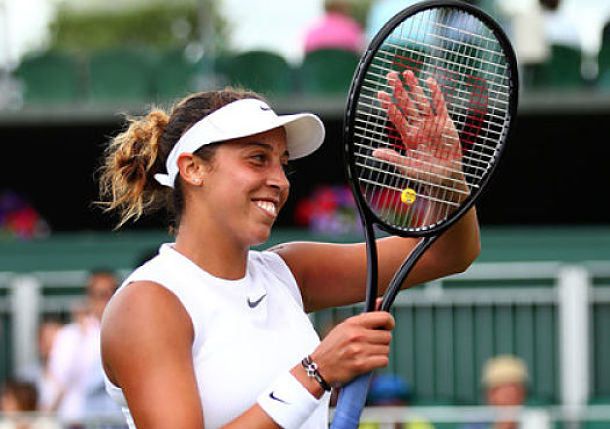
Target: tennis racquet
428,115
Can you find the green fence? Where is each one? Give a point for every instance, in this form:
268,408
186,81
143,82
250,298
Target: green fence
444,337
123,250
507,302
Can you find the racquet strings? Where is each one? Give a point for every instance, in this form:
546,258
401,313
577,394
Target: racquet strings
468,63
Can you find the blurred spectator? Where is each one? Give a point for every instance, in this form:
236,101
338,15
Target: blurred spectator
46,336
18,402
330,210
336,29
75,361
525,27
505,381
39,374
535,25
10,91
18,396
560,28
392,390
19,219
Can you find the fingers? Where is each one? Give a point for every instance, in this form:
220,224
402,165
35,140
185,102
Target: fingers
438,100
394,114
378,300
410,166
385,99
407,107
405,102
358,345
375,320
421,101
391,156
415,102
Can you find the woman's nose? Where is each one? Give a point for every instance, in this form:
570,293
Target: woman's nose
278,178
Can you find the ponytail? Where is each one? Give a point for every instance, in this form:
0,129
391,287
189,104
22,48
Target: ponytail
131,160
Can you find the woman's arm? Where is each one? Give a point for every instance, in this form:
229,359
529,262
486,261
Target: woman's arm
146,350
331,275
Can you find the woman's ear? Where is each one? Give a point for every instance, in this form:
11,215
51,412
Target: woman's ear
191,169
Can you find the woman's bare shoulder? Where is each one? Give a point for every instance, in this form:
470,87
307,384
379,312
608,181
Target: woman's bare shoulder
143,318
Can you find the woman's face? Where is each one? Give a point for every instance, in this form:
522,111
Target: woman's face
9,402
245,186
507,394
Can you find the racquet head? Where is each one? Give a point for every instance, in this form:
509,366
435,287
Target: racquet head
429,112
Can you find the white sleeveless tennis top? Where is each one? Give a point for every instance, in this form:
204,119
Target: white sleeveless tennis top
246,331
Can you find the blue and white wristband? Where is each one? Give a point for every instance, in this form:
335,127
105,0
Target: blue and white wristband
288,402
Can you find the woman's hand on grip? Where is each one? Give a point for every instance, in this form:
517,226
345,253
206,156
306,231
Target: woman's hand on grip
358,345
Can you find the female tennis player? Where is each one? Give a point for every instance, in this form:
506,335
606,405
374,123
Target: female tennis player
210,333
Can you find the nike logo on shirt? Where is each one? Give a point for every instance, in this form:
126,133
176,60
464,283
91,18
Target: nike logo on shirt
253,304
275,398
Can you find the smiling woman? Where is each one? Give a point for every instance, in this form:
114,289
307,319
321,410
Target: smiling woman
210,333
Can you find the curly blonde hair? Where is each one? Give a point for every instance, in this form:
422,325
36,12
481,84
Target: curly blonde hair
133,157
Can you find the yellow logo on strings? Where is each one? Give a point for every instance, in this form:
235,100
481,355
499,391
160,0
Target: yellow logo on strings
408,196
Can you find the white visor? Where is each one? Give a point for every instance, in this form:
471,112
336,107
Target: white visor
241,118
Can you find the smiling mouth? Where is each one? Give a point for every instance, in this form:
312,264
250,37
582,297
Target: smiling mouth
268,206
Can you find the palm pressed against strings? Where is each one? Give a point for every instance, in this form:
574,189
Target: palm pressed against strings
429,151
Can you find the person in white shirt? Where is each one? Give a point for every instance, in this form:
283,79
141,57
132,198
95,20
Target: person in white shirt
74,360
210,333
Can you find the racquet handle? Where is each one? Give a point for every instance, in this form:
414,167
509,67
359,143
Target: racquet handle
351,402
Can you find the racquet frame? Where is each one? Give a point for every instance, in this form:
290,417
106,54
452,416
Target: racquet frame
352,398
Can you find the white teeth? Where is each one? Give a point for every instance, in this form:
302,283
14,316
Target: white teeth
268,206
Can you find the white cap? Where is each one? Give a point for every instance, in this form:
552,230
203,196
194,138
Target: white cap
241,118
504,369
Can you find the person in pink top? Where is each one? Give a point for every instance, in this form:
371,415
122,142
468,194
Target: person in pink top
335,30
